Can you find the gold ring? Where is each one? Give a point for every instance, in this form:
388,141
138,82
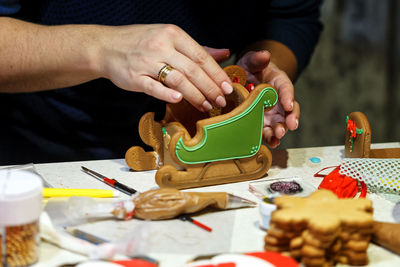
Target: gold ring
162,74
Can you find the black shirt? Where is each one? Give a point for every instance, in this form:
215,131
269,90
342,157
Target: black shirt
97,120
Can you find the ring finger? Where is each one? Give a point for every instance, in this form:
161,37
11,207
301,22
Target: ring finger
200,80
177,81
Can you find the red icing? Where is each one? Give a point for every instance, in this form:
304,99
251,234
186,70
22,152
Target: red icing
250,87
343,186
275,258
236,80
351,127
135,263
225,264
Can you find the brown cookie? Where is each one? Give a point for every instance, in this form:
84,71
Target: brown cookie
335,247
356,258
311,240
295,253
312,252
332,229
357,246
315,261
189,146
272,240
322,212
276,248
275,231
357,145
236,74
325,237
296,242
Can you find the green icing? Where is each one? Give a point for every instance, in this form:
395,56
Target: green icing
237,137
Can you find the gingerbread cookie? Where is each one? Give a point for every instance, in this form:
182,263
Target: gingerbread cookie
193,149
358,136
237,74
358,139
318,230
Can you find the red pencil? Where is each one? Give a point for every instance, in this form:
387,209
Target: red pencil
190,219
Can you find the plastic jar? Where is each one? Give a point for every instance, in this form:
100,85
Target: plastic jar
266,210
20,209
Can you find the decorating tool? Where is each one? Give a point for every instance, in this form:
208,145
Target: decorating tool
86,236
185,217
396,212
111,182
72,192
387,235
235,202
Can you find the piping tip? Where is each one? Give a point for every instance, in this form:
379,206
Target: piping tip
239,202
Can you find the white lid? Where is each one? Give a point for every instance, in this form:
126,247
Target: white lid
98,264
20,197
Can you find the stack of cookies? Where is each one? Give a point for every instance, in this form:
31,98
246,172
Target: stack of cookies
321,230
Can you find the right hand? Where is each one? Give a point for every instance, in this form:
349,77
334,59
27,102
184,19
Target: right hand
286,113
131,57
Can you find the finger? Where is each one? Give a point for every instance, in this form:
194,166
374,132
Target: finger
200,81
196,53
219,55
254,61
292,120
274,142
269,138
280,130
178,81
275,115
267,134
158,90
285,89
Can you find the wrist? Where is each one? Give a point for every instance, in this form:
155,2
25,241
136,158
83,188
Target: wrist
90,60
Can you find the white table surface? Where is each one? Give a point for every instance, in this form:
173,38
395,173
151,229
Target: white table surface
173,242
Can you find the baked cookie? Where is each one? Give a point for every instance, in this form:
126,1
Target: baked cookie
358,139
321,227
193,148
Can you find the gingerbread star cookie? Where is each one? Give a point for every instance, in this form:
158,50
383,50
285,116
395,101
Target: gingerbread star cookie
321,229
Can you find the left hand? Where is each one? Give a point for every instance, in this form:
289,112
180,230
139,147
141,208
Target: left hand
286,113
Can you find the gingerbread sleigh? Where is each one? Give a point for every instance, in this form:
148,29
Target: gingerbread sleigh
193,149
358,139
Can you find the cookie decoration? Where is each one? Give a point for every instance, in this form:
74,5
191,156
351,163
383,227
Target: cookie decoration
193,149
321,229
358,139
287,188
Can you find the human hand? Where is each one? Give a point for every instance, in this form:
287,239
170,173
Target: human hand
132,56
285,115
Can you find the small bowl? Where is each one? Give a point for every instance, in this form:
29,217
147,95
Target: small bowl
266,210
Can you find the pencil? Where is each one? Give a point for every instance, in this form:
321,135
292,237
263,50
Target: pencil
86,236
72,192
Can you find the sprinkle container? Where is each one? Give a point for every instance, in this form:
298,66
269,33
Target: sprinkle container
20,209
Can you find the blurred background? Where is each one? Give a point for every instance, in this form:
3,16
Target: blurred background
354,68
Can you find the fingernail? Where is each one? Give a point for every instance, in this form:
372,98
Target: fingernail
227,88
291,106
297,123
207,106
176,95
220,101
282,132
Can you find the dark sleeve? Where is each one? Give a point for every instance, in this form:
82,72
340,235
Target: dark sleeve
9,7
296,24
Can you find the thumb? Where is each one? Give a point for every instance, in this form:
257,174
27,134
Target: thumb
218,54
254,61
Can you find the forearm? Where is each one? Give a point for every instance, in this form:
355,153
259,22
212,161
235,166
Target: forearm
37,58
281,55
